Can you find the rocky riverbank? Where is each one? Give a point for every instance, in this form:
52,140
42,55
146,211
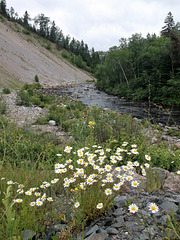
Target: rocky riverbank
26,116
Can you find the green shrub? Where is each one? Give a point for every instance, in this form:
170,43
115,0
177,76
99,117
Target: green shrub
23,99
48,46
6,90
36,78
25,31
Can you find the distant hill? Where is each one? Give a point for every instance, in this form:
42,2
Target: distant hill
24,55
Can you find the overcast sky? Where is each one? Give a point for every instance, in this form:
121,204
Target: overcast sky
101,23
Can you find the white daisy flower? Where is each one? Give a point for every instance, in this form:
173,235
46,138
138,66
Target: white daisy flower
77,204
136,164
147,157
107,168
116,187
134,184
153,207
99,206
49,199
134,151
108,191
32,204
133,208
39,203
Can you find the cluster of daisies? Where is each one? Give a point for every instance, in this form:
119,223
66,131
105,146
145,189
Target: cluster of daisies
39,196
88,168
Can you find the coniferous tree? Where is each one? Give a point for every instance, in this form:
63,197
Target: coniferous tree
53,30
12,13
3,9
26,19
169,21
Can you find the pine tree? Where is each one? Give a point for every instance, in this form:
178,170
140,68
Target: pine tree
3,10
169,21
26,19
53,31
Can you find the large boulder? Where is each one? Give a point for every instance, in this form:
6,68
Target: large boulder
172,183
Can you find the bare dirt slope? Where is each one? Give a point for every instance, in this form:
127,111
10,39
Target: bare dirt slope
23,56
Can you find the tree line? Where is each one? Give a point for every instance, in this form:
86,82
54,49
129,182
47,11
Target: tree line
77,52
145,69
140,69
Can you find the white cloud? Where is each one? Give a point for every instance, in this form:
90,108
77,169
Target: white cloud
102,23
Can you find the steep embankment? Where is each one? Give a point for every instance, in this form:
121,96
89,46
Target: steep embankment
23,56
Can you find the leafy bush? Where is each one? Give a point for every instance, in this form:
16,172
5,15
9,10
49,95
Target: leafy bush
23,98
36,78
6,90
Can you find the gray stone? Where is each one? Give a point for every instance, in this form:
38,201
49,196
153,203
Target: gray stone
120,201
117,213
154,140
28,234
119,222
172,183
112,231
149,231
58,227
164,174
94,229
177,144
163,220
52,123
99,236
143,237
90,236
108,221
168,206
132,226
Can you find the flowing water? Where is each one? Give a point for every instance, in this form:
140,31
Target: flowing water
89,95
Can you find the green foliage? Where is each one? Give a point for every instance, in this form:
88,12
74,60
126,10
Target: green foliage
23,98
2,107
154,181
173,230
1,18
29,95
143,69
48,46
36,78
6,90
26,31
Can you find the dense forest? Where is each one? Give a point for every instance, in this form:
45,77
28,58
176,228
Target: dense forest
140,69
145,69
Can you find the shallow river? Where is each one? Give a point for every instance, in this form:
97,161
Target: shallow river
89,95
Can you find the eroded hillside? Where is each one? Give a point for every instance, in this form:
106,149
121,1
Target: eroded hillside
23,56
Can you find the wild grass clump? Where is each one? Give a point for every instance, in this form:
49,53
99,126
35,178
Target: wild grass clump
22,147
3,107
